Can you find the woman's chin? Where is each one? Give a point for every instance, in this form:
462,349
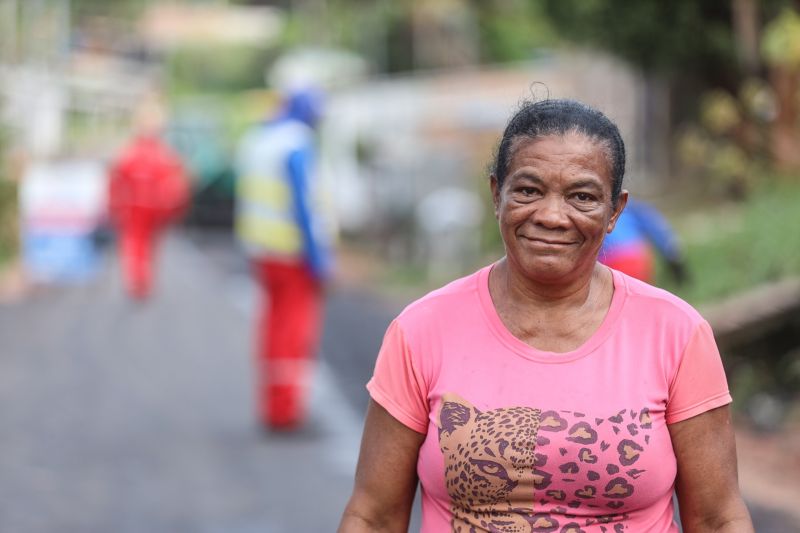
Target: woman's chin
550,269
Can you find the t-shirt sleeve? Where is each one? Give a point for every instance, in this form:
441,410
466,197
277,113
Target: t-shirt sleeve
397,384
699,384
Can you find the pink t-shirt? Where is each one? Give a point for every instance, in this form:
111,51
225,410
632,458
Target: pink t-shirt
518,439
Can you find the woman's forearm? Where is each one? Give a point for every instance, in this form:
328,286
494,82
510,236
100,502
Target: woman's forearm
355,522
737,521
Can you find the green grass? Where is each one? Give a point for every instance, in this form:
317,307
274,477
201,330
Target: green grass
732,248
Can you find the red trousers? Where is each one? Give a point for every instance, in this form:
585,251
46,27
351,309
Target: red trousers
137,244
288,338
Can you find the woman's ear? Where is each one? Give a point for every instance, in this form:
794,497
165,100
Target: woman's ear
622,201
495,194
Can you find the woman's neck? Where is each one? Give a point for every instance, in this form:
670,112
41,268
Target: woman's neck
556,317
570,293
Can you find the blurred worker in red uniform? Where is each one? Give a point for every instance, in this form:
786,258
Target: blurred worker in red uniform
148,190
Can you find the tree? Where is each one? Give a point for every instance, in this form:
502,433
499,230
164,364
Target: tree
676,36
696,47
781,49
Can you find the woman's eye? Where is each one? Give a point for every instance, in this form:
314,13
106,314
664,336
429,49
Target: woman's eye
527,191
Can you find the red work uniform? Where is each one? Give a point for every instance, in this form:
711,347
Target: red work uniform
148,189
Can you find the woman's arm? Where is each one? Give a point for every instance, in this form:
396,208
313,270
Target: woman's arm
707,483
386,476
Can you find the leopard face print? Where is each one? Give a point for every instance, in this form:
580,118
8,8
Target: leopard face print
488,460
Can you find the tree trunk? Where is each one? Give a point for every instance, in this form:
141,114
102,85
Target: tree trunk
745,32
785,134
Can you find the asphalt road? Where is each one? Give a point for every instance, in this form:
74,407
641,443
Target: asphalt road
125,417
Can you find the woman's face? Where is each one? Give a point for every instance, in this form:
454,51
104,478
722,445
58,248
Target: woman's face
555,206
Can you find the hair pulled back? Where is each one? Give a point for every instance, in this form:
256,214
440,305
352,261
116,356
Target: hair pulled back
559,117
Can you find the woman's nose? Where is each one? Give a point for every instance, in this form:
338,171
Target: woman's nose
550,212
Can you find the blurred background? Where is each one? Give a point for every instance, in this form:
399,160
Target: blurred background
125,416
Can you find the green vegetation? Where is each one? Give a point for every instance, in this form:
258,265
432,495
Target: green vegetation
738,246
217,68
512,30
117,8
8,220
8,207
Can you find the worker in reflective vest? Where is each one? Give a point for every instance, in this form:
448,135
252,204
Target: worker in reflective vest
286,229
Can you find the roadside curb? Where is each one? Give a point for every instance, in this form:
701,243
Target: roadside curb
753,312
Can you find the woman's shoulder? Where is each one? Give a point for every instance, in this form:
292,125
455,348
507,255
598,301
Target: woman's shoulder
641,296
446,300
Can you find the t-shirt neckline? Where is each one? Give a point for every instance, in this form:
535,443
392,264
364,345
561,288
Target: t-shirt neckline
529,352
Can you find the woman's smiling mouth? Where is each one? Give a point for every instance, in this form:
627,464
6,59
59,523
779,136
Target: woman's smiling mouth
546,242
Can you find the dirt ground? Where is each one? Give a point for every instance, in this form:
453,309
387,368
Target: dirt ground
769,468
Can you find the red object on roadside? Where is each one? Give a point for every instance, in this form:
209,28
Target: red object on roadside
148,190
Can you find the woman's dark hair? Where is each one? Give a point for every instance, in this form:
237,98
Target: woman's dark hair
559,117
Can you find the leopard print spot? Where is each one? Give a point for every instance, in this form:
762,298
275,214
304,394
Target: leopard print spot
543,524
552,421
586,456
582,433
617,419
635,473
618,488
541,479
645,421
569,468
629,452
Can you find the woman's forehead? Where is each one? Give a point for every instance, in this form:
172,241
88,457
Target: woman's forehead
592,151
573,139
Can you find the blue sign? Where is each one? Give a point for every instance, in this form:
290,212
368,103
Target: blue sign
60,257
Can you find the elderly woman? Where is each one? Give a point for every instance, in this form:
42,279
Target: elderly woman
547,392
